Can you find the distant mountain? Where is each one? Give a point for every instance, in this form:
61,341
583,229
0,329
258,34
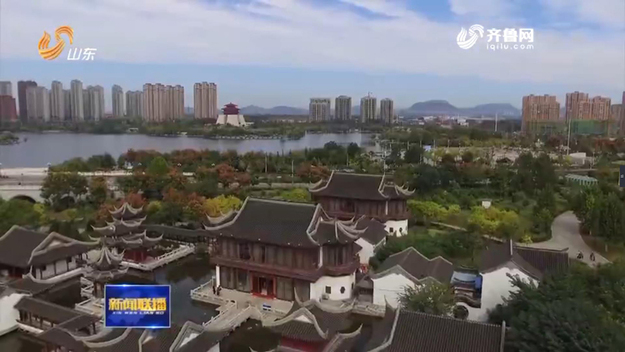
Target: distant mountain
443,107
276,110
432,107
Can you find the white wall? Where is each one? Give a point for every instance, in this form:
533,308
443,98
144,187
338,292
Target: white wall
9,315
389,287
367,251
214,348
396,225
496,286
318,288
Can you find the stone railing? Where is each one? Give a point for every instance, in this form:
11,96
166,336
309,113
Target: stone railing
204,293
163,259
229,308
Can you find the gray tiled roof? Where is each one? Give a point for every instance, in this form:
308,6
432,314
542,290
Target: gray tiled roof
419,332
418,265
352,186
273,222
27,285
375,231
49,311
17,244
162,340
298,330
536,262
129,344
203,342
60,252
60,337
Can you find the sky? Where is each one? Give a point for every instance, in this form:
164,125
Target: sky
283,52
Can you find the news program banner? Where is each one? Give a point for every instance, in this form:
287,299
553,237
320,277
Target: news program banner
137,306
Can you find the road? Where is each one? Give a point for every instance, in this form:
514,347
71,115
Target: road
565,234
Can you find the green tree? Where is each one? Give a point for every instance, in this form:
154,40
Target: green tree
60,186
579,310
296,195
431,298
98,190
413,155
17,212
158,167
221,205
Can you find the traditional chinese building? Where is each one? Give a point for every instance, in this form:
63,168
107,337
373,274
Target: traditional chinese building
231,116
314,327
125,233
346,195
44,257
38,316
273,248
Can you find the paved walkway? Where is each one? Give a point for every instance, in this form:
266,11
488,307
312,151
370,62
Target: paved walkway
565,234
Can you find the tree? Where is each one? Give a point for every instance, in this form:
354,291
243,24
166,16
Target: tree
59,186
467,157
221,205
98,190
17,212
413,155
353,150
296,195
427,210
158,167
431,298
579,310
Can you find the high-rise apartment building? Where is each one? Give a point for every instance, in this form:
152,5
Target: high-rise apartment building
21,96
67,104
319,109
77,101
541,114
38,104
8,110
117,96
368,109
134,103
6,88
57,102
86,103
93,103
600,108
343,108
575,107
161,103
205,101
387,111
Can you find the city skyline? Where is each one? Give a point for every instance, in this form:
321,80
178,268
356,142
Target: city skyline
263,69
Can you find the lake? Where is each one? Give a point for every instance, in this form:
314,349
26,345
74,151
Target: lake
39,149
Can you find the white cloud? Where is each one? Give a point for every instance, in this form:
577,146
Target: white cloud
297,33
601,12
482,8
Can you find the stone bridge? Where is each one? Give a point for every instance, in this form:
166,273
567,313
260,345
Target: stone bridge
31,193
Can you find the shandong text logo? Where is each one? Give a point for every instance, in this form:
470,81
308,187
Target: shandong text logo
498,39
51,53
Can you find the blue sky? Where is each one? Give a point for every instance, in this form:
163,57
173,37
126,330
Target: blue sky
282,52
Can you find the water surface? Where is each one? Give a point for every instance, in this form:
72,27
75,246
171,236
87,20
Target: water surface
37,150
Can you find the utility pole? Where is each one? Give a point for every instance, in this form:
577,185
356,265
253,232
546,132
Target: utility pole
496,120
292,170
265,164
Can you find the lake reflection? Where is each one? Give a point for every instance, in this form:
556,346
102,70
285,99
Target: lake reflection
37,150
